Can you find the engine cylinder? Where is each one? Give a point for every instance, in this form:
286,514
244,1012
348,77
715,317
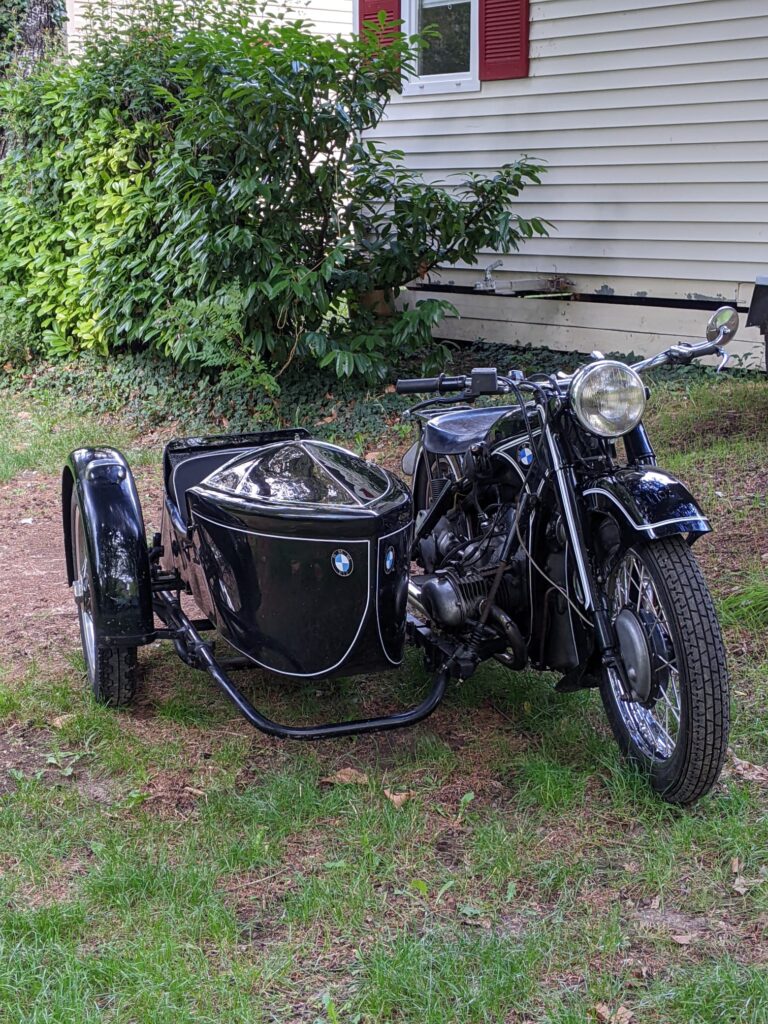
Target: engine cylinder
451,599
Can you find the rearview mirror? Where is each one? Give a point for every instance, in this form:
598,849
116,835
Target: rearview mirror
723,321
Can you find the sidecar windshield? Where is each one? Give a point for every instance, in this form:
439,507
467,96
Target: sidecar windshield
301,472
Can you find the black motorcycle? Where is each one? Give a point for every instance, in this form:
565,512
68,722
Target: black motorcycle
543,529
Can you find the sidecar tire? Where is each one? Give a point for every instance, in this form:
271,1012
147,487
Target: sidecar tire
111,671
694,765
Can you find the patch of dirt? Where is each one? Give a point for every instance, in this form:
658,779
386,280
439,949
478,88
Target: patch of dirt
701,934
59,885
739,521
171,794
40,621
24,749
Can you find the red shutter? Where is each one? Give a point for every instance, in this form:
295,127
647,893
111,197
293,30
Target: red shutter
369,11
503,39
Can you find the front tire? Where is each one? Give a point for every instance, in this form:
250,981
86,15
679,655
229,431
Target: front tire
672,646
111,670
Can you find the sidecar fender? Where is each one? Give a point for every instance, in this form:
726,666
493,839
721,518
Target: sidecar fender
647,503
104,488
409,459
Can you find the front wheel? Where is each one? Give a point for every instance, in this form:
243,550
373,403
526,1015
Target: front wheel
677,727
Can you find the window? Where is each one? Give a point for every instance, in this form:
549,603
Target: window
480,40
450,62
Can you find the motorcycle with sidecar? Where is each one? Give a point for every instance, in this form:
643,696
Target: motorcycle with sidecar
537,530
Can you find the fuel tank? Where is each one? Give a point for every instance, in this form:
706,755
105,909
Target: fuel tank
303,548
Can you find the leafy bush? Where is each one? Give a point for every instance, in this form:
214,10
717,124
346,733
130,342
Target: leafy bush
11,13
198,181
19,337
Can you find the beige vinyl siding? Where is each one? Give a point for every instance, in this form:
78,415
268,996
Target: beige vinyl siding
329,17
652,119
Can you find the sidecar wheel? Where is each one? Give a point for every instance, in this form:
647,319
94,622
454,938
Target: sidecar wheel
673,650
111,670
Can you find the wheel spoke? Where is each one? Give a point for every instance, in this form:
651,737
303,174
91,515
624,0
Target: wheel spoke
653,727
670,707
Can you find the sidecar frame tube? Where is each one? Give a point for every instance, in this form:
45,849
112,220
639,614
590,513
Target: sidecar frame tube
201,654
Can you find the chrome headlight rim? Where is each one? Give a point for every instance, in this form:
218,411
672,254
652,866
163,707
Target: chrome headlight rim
578,385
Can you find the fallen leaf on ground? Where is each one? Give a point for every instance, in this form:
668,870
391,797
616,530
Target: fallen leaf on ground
742,885
683,940
751,772
61,720
398,799
620,1016
346,777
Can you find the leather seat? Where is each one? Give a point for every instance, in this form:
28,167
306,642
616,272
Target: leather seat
193,469
454,431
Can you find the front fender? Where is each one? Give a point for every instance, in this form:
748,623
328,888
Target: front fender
647,503
104,489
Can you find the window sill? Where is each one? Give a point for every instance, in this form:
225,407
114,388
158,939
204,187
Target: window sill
441,87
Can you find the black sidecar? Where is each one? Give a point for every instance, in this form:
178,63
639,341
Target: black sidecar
291,539
296,551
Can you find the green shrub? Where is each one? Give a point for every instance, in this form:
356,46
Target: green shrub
197,181
19,337
11,13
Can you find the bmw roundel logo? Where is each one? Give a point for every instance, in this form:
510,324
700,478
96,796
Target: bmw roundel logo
342,563
389,559
525,455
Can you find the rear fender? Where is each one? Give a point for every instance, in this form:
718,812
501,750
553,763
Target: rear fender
647,503
104,488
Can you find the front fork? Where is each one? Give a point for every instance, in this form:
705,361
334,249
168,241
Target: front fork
605,635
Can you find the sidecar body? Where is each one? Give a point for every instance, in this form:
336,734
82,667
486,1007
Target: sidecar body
295,551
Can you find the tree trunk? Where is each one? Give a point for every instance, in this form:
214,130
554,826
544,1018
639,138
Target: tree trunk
39,25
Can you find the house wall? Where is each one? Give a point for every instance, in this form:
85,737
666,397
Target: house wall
652,118
328,16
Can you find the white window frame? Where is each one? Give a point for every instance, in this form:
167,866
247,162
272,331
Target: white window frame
430,85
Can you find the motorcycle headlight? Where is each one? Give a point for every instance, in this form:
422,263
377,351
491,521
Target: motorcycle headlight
608,398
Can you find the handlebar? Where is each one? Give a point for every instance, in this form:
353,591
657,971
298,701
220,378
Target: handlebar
682,353
486,381
424,385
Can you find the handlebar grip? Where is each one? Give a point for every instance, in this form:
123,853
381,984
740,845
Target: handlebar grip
416,385
419,385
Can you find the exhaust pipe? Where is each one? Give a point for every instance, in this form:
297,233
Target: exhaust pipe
414,599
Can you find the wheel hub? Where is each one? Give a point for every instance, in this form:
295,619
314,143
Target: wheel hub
635,652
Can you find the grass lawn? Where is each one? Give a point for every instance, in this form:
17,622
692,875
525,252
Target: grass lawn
169,865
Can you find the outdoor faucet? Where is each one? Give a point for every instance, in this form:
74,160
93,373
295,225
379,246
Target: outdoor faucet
488,283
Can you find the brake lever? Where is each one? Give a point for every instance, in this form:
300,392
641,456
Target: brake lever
461,396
